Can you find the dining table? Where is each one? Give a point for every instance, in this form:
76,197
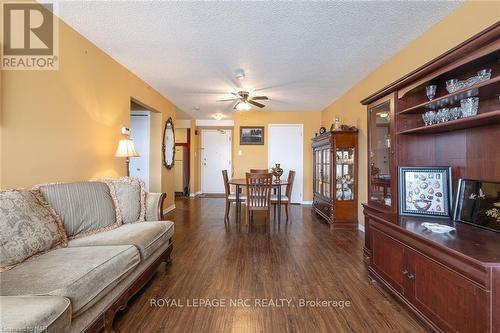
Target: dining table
242,182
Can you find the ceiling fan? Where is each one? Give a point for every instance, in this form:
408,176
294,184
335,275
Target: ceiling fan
243,101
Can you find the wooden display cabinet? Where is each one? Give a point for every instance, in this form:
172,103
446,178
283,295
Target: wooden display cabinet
335,178
449,281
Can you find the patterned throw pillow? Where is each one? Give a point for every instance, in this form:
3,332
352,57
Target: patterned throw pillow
130,198
27,227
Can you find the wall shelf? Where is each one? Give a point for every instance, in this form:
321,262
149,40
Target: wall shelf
484,90
483,119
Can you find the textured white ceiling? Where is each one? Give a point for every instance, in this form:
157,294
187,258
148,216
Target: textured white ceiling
303,55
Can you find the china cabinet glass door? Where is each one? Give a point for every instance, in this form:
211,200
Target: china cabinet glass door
326,173
380,166
344,173
317,171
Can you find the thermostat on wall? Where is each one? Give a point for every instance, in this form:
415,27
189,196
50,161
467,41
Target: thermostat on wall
125,130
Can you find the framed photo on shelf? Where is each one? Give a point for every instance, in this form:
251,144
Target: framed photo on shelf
425,191
478,203
251,135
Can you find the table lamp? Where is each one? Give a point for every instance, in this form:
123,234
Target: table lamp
126,149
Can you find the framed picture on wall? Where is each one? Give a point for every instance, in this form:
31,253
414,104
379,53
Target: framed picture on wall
425,191
251,135
478,203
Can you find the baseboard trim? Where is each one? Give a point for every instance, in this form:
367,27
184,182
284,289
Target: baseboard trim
361,227
169,209
194,194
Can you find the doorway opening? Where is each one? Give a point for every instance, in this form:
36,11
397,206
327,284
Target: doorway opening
182,161
215,156
145,131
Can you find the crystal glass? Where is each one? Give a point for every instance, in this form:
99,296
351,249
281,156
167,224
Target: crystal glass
484,74
431,91
431,117
456,112
425,118
439,116
469,106
446,115
451,85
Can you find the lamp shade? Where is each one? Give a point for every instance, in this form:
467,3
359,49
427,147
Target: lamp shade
126,148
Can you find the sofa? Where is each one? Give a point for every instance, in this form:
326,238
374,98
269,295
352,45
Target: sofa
73,254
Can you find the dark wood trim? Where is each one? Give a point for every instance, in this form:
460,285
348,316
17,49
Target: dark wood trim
160,206
458,52
105,321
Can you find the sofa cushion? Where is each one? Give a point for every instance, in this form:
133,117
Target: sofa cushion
84,208
27,227
82,274
51,314
130,198
147,236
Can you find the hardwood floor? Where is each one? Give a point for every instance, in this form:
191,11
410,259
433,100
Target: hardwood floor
302,260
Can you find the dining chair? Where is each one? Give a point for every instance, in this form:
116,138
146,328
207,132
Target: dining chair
285,199
259,171
258,194
230,197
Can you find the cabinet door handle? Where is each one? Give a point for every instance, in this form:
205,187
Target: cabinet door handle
405,272
410,276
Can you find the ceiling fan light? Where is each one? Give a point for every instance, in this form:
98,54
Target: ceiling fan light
243,106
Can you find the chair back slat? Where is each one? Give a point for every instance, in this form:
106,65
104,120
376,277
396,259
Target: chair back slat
227,190
289,186
258,190
259,171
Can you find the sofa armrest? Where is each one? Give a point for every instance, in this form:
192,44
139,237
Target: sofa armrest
154,206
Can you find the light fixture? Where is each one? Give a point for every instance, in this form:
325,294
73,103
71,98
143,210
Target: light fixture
218,116
239,74
384,114
126,148
243,106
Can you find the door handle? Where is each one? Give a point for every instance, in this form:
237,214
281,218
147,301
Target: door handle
410,276
405,272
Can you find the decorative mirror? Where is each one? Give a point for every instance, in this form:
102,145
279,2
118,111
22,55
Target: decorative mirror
168,146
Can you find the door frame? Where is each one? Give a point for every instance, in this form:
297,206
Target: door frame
301,126
201,154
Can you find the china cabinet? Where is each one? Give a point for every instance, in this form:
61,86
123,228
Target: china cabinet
445,113
335,179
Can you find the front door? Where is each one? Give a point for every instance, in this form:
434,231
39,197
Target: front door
215,157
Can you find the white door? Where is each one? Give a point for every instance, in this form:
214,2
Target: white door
215,157
286,147
140,134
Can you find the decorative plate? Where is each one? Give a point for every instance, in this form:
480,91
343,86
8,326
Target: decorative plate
438,228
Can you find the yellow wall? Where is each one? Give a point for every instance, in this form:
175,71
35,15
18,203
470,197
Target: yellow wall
64,125
463,23
256,156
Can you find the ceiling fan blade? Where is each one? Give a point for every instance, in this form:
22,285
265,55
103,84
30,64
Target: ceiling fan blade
259,98
226,100
235,104
256,104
